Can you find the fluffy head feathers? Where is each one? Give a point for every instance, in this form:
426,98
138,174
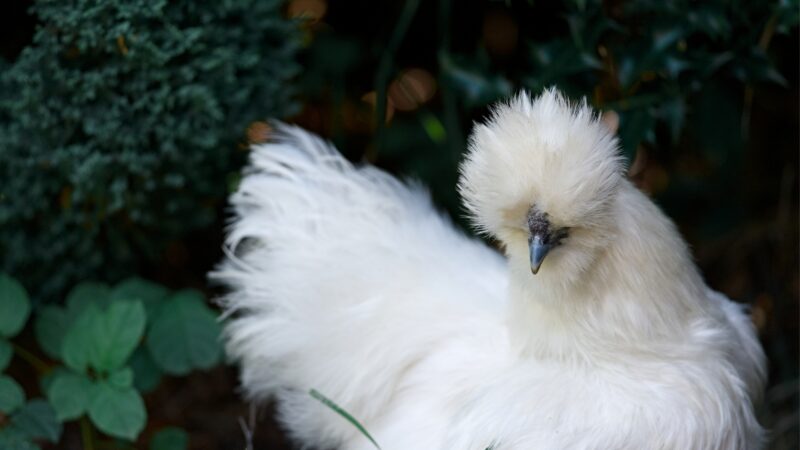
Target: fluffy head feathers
541,152
545,153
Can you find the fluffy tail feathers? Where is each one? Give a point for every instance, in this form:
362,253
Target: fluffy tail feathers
328,266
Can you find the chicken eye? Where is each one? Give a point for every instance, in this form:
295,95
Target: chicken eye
560,234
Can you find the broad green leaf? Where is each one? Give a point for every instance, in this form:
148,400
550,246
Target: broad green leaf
52,323
146,374
117,412
122,378
37,420
11,395
149,293
170,438
116,334
13,439
78,344
184,335
6,352
14,306
69,393
85,294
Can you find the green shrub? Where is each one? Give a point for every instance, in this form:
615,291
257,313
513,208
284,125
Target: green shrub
119,128
114,343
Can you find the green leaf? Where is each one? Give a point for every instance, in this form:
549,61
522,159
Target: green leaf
433,127
52,323
663,39
37,420
150,294
104,339
475,84
11,395
85,294
146,374
47,379
14,306
635,126
122,378
673,112
13,439
116,334
78,343
346,415
626,71
69,393
6,352
117,412
184,335
170,438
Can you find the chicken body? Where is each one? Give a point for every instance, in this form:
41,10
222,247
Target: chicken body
347,281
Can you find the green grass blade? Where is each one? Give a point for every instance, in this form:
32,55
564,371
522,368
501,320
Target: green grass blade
339,410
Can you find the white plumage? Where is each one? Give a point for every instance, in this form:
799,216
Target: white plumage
345,280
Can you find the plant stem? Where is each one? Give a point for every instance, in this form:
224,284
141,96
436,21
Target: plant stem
385,68
31,359
749,92
86,434
455,139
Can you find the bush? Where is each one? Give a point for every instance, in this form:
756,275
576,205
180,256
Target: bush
115,343
119,128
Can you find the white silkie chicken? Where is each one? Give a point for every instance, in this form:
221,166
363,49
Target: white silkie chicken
595,332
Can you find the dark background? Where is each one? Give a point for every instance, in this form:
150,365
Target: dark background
707,99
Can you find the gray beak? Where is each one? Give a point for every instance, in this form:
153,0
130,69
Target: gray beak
538,250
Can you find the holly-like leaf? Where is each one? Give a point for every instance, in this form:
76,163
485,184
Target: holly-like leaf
37,420
69,393
117,412
14,306
170,438
635,127
184,335
6,352
673,112
116,334
475,84
11,395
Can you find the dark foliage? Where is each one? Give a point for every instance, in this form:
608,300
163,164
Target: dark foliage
119,127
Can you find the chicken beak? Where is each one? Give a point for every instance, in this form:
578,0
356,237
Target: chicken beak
538,250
